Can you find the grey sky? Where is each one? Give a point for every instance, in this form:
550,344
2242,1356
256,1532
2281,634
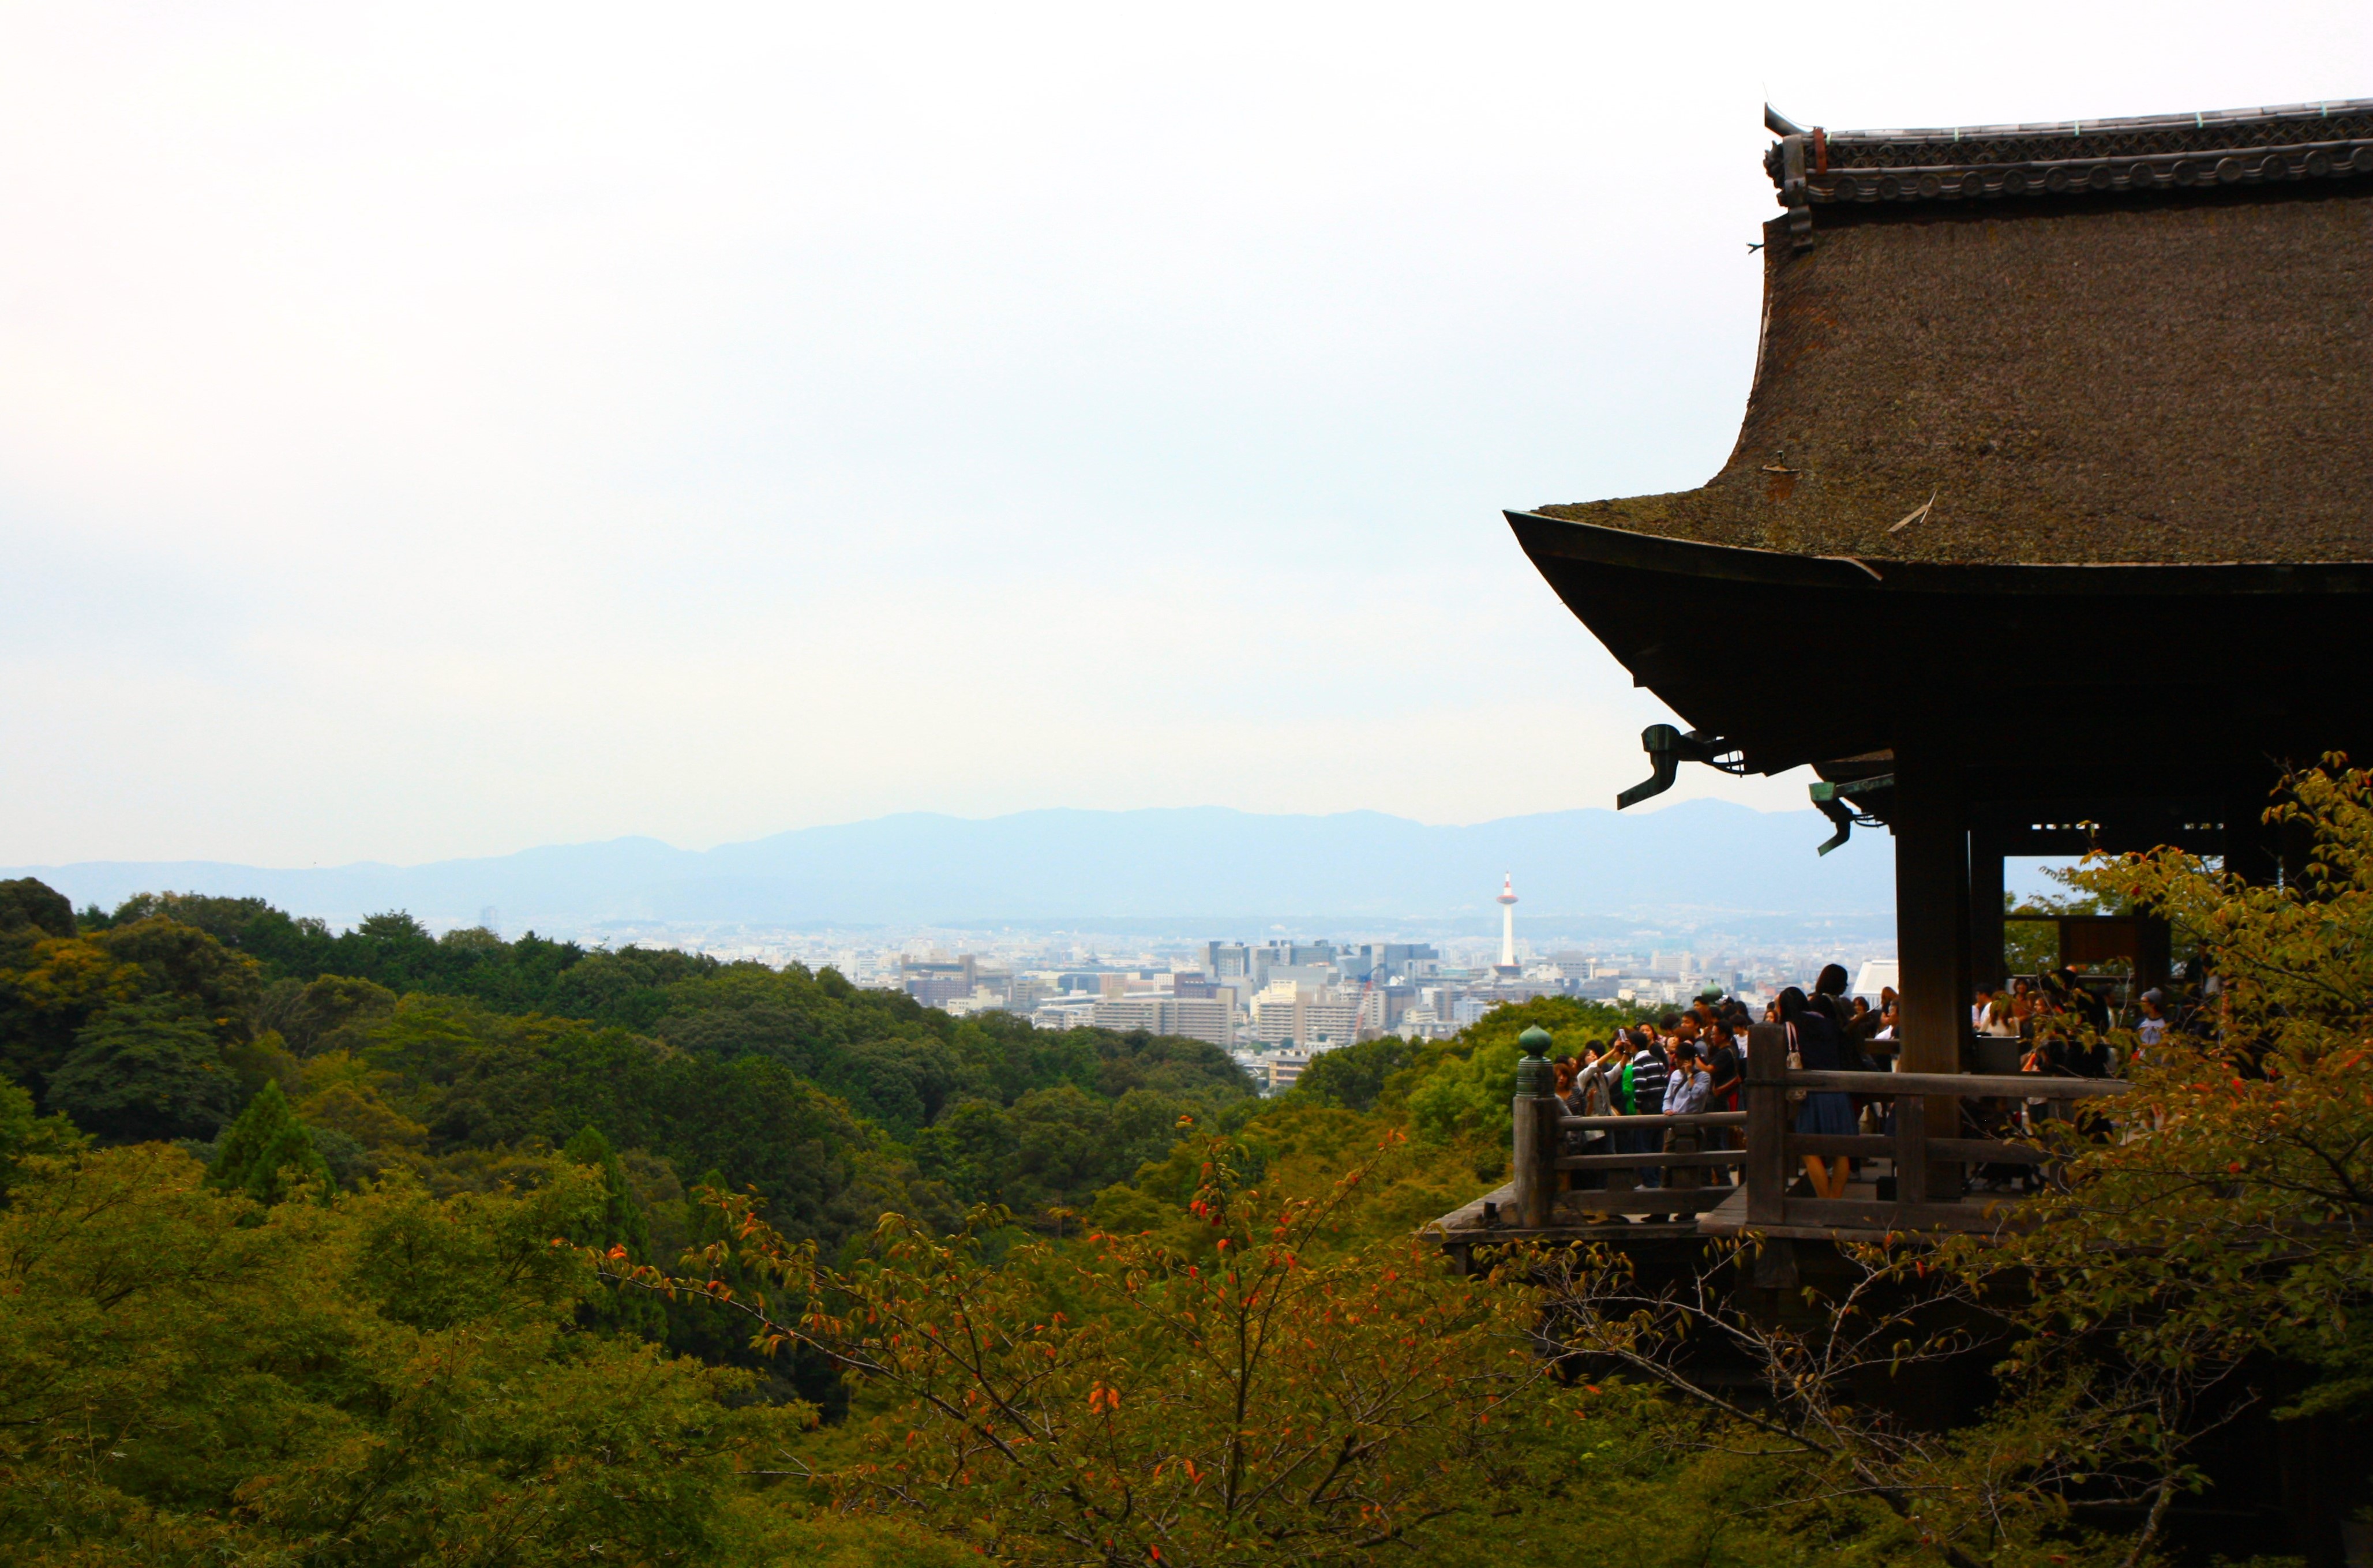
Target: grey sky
433,430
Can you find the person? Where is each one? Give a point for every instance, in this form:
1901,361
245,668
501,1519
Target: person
1684,1085
1826,1111
1725,1071
1978,1009
1685,1095
2151,1027
1829,996
1584,1093
1648,1073
2034,1060
1725,1075
1864,1049
1999,1024
2092,1058
2082,999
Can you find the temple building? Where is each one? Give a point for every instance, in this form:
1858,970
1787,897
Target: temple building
2049,523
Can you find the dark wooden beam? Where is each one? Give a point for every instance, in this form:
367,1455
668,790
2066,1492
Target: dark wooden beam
1987,967
1932,904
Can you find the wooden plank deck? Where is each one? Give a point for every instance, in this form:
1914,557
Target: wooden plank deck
1861,1216
1572,1220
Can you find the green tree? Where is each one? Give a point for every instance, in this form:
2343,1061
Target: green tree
331,1013
24,1132
267,1153
28,901
391,1381
2230,1218
183,961
144,1070
1354,1076
224,919
621,1232
621,1221
1297,1401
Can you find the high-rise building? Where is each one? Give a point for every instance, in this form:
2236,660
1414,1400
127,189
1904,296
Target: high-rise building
1229,961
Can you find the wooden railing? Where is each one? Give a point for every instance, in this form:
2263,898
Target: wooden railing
1927,1169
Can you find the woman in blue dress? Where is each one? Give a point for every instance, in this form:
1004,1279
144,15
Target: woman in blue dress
1812,1041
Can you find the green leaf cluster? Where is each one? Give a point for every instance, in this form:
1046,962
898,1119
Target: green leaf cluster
268,1155
186,1377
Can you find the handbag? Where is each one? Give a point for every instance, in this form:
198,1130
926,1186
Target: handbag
1795,1062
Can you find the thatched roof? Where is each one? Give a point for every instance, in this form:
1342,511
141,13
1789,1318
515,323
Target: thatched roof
2140,341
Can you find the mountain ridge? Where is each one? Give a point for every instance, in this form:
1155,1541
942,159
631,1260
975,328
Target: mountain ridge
1057,863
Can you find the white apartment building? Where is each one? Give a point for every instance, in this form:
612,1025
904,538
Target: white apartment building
1210,1019
1290,1014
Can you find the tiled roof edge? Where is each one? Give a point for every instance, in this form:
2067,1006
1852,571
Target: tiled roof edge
2253,146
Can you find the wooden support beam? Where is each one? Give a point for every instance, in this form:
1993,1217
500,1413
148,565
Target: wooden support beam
1911,1149
1970,1085
1931,909
1536,1177
1987,965
1869,1146
1766,1124
1857,1214
1647,1200
1931,903
1634,1124
1648,1162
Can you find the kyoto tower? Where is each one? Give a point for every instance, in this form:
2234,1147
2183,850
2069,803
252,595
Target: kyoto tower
1507,901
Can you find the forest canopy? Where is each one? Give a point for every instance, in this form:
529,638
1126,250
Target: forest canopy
380,1249
450,1057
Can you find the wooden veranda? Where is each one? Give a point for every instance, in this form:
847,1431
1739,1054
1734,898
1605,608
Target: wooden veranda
1913,1182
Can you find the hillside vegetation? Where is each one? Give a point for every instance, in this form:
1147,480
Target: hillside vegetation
369,1248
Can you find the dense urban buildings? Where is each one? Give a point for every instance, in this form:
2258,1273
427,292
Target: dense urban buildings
1278,1002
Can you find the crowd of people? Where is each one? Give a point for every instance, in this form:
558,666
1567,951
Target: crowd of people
1694,1060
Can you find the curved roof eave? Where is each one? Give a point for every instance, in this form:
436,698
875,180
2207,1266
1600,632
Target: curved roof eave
1564,538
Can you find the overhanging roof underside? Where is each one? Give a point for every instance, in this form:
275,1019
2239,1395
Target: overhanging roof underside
1802,659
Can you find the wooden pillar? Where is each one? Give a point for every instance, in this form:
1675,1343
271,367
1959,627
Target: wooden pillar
2152,957
1986,966
1535,1179
1932,923
1931,899
2252,849
1766,1124
1535,1113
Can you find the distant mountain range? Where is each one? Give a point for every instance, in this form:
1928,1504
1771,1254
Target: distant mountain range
1206,865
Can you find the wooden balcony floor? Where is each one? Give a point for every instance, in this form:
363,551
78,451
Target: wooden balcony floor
1859,1216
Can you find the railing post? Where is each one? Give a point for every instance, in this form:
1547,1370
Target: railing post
1766,1124
1535,1113
1910,1149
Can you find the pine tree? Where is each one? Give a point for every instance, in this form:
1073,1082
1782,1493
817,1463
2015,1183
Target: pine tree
620,1223
267,1153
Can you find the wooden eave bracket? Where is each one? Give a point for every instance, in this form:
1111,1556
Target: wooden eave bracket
1667,748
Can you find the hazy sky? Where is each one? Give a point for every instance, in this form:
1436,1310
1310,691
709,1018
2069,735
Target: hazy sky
432,431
